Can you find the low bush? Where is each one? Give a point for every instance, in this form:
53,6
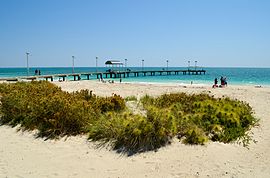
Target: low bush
43,106
132,133
202,117
102,104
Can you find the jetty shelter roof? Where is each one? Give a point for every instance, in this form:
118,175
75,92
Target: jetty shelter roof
113,62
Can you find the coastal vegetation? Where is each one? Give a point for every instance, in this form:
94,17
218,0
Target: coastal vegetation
193,119
53,112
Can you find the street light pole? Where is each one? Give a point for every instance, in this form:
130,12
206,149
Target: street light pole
27,62
167,64
142,64
188,65
73,64
196,65
96,63
125,64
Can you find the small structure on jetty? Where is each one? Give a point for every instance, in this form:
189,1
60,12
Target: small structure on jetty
114,65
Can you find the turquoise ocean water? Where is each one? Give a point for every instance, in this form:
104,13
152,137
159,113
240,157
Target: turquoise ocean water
235,76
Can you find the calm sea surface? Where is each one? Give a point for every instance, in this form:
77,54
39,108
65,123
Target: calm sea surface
236,76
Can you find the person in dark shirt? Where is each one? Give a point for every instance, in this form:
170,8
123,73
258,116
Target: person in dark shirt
225,81
215,83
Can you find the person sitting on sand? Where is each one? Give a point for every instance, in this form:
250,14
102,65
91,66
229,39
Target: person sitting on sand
222,84
215,83
221,80
225,81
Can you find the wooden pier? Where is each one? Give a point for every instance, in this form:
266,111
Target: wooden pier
108,74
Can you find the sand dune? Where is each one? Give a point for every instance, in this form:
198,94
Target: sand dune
22,155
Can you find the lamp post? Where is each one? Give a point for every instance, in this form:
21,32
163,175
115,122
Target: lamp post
73,64
96,63
167,64
188,65
142,64
125,64
27,63
196,65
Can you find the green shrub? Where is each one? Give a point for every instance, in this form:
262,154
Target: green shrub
222,119
102,104
147,101
43,106
133,133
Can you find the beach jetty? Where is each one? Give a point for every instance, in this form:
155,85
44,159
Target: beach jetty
107,74
115,69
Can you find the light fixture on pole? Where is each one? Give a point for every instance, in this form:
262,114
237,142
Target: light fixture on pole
73,64
142,64
96,63
27,63
196,65
167,64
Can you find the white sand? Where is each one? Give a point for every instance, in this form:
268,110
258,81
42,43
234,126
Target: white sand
22,155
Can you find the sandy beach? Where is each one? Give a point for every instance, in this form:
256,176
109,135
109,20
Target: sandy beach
23,155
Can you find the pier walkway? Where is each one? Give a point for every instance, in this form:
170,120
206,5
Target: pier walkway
107,74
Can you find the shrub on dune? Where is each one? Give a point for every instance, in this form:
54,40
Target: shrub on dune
43,106
202,117
130,132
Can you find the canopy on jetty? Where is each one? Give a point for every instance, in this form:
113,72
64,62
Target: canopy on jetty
114,64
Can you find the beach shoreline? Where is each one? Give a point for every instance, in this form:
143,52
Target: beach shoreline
23,155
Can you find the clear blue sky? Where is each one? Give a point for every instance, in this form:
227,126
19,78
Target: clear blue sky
232,33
